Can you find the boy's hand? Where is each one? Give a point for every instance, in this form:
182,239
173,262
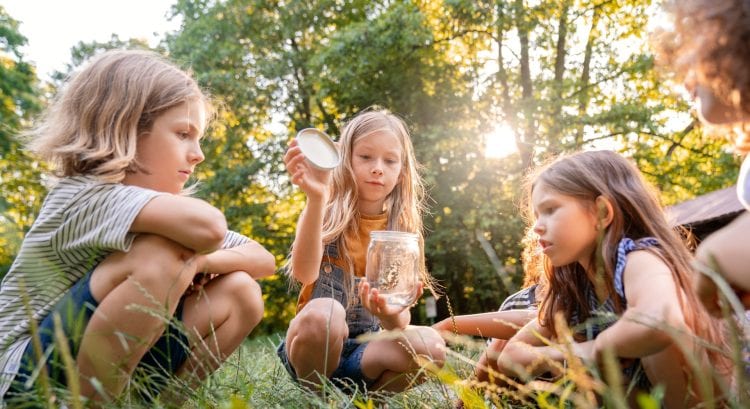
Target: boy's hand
199,283
313,181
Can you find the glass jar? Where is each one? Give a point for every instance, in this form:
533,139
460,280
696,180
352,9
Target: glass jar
393,259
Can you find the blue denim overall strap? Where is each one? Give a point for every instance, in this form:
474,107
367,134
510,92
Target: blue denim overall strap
331,283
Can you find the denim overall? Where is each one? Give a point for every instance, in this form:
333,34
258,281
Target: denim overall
331,283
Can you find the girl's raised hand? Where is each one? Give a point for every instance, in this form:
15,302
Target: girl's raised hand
313,181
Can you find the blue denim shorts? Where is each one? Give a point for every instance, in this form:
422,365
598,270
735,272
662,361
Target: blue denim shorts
348,375
75,309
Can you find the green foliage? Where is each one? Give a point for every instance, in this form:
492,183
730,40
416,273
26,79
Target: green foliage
563,75
83,51
566,76
20,175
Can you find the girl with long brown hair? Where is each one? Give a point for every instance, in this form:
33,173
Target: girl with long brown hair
620,276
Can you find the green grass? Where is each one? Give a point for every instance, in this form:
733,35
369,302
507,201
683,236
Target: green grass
253,377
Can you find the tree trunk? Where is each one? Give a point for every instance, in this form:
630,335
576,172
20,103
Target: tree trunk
583,96
561,53
528,139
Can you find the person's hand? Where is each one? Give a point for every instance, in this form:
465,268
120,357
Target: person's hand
376,303
707,292
313,181
443,325
585,351
199,283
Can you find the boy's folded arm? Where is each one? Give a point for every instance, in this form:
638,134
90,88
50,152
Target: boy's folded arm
189,221
249,257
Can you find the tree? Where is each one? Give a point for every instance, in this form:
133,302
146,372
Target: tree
564,75
20,175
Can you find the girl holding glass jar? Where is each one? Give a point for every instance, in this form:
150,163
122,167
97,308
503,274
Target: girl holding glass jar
374,189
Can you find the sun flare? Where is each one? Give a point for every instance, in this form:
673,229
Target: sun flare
500,143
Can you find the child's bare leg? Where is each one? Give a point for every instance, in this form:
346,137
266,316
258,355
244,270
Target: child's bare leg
137,292
392,362
315,339
218,319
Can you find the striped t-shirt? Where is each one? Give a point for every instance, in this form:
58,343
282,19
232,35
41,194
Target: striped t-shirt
81,221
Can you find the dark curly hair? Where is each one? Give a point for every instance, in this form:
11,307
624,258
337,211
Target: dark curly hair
709,44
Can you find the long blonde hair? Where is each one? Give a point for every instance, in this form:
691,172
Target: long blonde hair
93,124
404,205
637,213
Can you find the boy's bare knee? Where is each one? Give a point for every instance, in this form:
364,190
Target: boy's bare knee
153,261
157,262
150,245
246,295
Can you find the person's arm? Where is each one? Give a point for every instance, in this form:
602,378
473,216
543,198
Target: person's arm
726,253
653,309
497,324
250,257
527,354
189,221
307,250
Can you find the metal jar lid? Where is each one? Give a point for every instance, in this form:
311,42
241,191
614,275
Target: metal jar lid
318,148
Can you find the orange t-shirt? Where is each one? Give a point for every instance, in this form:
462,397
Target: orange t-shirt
357,252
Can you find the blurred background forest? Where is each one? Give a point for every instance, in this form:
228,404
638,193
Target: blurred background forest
472,78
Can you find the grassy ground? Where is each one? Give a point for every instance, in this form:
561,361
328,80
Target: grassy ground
253,377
